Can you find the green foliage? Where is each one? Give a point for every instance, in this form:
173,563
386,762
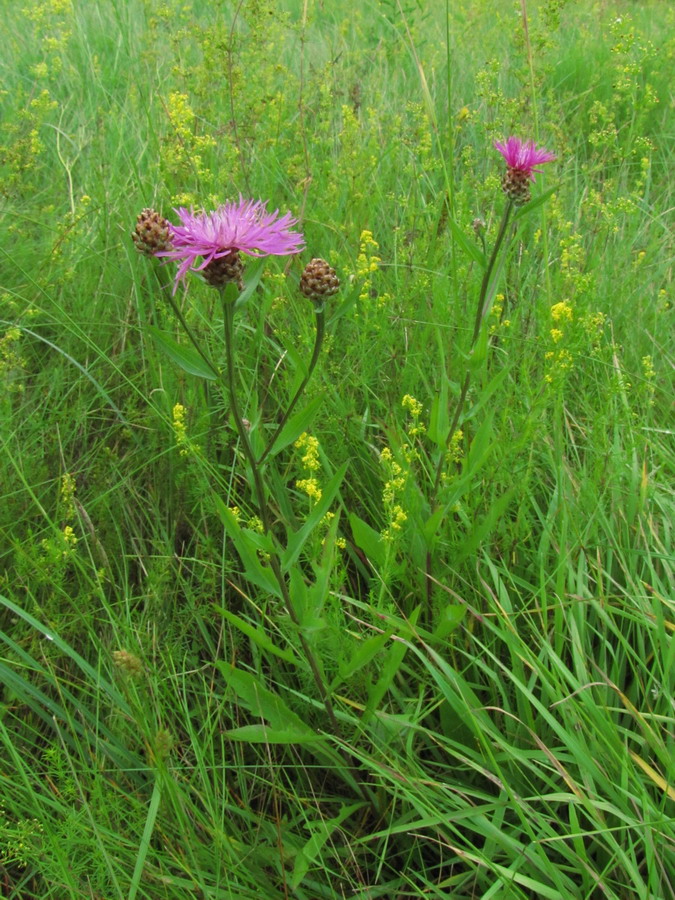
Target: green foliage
497,642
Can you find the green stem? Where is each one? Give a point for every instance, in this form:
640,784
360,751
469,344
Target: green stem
228,319
481,312
482,299
318,341
193,340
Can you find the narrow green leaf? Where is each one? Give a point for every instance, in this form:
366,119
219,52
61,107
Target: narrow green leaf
323,831
431,525
450,618
262,702
480,448
346,304
471,249
252,276
263,734
390,667
362,656
146,837
248,544
186,357
484,527
368,540
530,207
257,635
297,541
438,417
298,422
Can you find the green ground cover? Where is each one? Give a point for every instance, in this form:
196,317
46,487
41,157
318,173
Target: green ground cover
439,663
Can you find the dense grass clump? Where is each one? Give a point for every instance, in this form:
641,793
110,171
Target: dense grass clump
421,645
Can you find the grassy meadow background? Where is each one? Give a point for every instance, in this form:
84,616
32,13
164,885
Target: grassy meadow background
505,728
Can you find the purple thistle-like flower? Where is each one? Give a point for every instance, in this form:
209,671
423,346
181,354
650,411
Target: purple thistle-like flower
523,156
245,226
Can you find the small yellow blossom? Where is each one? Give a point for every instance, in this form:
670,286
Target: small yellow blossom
560,362
455,451
310,445
561,312
367,262
311,464
255,523
179,429
68,488
40,70
309,486
393,487
414,407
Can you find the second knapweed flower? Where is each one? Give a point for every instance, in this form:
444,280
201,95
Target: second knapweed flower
522,159
210,242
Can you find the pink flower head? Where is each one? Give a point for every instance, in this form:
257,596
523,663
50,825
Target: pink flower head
245,226
523,156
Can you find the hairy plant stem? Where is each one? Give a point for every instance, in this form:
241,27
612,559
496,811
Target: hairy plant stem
481,311
320,319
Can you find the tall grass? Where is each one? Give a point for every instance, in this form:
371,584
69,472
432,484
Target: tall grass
504,716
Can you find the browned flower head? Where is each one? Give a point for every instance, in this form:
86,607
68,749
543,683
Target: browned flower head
152,233
318,280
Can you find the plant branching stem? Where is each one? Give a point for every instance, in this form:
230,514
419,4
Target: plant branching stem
228,320
320,318
228,317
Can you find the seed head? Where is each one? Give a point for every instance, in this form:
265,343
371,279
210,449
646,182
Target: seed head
318,280
152,233
128,663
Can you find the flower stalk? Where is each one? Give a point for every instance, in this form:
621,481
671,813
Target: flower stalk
522,160
263,508
482,310
320,321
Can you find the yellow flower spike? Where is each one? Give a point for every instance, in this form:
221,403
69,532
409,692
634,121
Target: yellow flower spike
561,312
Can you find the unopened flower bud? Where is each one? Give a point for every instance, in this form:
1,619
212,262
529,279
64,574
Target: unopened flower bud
318,280
152,233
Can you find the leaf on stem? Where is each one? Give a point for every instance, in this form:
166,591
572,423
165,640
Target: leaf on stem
186,357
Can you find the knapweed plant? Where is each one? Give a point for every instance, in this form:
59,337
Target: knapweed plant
441,472
214,245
